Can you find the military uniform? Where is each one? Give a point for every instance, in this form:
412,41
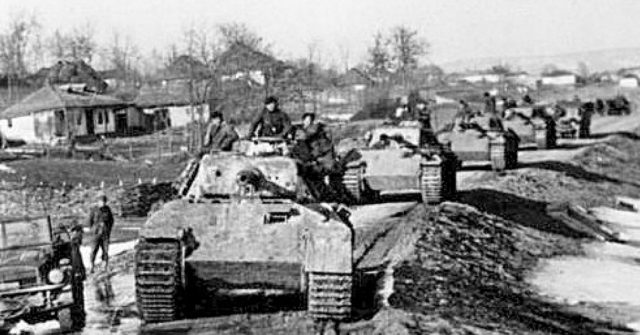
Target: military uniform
220,137
271,124
100,224
495,121
317,155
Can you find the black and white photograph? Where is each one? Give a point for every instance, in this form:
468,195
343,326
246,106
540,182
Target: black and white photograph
354,167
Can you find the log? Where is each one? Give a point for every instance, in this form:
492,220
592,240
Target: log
627,202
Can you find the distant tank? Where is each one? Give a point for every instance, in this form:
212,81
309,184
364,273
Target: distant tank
477,142
574,118
393,160
534,125
244,219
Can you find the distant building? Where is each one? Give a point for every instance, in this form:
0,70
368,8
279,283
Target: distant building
169,104
629,81
51,113
356,79
482,78
559,78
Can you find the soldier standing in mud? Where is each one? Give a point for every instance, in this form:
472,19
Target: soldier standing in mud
220,136
100,224
271,121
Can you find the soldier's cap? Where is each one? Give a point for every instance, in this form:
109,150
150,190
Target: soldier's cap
216,114
101,196
312,114
270,100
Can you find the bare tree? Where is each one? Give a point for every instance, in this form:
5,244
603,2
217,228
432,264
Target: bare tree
379,57
583,70
238,33
15,44
77,44
549,68
344,52
201,51
122,55
407,48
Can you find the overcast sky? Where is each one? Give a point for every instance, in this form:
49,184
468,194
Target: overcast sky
456,29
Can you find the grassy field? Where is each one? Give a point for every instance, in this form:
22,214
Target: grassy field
73,172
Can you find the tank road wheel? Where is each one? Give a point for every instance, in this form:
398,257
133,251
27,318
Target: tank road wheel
353,181
159,280
498,153
329,295
431,184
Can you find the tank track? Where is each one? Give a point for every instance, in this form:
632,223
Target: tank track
159,280
497,155
504,154
353,183
329,295
431,184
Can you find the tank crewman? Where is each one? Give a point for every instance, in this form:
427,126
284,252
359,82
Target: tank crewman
527,100
495,121
320,159
100,224
465,112
423,114
220,136
271,121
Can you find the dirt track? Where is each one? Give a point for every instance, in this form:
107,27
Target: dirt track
378,241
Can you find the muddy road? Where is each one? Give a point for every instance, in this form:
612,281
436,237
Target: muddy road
110,296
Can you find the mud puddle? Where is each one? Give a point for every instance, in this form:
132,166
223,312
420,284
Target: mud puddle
605,278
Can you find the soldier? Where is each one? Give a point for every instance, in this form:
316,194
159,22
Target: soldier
495,121
271,122
315,150
465,112
100,224
220,136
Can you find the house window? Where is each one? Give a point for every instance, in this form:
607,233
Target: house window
100,118
106,117
79,119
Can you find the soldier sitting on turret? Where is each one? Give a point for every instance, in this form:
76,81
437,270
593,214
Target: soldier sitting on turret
271,121
220,136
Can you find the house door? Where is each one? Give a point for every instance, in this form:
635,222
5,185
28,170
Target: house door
88,114
121,122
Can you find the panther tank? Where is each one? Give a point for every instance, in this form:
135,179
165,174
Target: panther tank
244,220
393,161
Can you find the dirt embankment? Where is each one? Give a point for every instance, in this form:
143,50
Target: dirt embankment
465,272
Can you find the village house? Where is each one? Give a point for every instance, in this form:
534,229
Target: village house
628,81
483,77
169,104
559,78
54,112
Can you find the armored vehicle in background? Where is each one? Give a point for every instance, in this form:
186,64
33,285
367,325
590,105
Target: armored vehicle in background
618,105
41,273
394,161
533,125
244,219
476,142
